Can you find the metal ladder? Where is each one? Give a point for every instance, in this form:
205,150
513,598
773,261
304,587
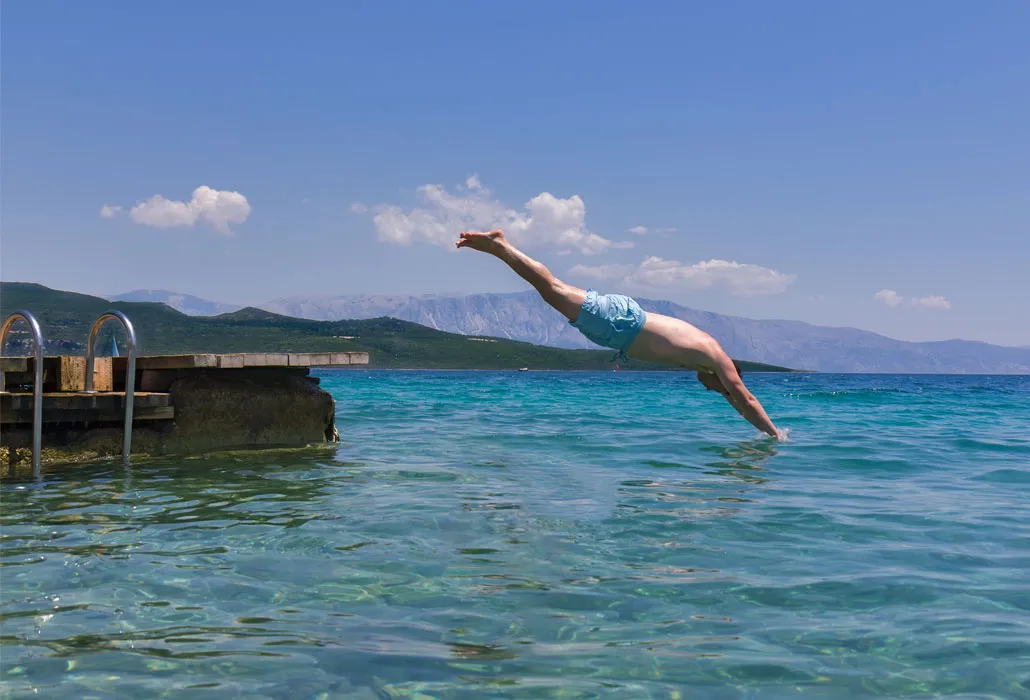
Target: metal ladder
130,369
37,382
37,391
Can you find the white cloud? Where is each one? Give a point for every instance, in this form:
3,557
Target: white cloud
889,297
545,220
358,208
217,208
931,302
740,279
109,212
893,299
644,230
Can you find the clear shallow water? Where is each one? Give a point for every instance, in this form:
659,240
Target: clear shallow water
532,535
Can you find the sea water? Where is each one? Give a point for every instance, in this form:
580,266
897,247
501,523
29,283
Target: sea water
547,535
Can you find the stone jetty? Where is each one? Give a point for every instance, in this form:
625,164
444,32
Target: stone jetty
182,404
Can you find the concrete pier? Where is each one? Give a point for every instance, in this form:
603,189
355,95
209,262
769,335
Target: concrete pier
183,404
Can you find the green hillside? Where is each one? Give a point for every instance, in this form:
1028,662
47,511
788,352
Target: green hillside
391,343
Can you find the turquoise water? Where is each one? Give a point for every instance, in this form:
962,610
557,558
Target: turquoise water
538,535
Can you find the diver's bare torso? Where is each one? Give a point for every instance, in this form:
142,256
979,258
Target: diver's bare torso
670,341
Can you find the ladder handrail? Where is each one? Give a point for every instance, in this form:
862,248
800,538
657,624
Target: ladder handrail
37,389
130,368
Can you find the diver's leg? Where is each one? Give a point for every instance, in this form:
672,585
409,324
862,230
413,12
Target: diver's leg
566,298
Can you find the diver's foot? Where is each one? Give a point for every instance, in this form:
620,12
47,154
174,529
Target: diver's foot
489,242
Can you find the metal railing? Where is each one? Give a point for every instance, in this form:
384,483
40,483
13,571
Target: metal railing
37,389
130,369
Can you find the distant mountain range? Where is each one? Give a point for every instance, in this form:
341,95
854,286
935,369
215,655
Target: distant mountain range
524,317
186,303
391,343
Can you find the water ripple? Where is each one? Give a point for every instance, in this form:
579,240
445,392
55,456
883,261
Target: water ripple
575,535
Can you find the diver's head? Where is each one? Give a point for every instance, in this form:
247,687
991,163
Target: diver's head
710,380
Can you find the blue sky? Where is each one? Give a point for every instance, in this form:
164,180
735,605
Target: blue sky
859,164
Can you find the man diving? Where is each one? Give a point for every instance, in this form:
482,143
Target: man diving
618,322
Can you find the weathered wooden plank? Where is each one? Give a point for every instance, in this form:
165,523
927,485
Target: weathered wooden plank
266,359
232,361
103,375
16,364
104,415
354,358
61,373
66,373
154,413
83,407
140,398
328,359
170,361
70,374
310,359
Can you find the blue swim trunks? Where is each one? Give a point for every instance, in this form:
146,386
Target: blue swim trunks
610,320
